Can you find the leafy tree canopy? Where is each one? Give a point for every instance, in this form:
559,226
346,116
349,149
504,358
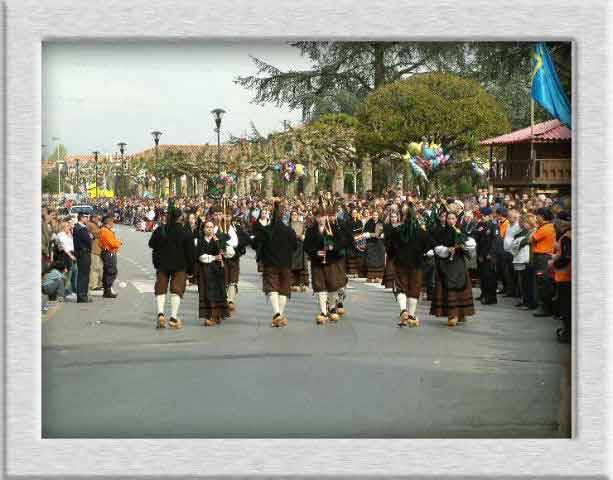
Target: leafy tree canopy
448,109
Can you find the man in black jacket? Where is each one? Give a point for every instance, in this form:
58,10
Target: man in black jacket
82,246
488,234
326,243
407,246
173,259
275,244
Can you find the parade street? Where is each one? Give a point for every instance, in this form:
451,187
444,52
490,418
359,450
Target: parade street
107,372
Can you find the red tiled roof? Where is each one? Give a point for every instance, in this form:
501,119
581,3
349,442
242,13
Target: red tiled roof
551,131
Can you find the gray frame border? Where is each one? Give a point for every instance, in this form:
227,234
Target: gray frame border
27,23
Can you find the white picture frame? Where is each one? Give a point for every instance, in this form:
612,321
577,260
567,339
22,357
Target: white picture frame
28,23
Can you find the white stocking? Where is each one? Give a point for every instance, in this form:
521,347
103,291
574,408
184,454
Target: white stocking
332,297
322,297
175,302
274,301
412,306
161,300
402,301
231,292
282,302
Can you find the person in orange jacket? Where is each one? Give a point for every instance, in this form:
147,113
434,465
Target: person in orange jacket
110,245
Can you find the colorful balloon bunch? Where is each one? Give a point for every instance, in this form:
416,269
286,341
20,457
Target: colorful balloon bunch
425,157
226,179
289,170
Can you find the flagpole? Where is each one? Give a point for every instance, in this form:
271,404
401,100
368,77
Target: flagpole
531,163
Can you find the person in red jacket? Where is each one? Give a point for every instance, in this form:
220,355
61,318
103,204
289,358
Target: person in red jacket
110,245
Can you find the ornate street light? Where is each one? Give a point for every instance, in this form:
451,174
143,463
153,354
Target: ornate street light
122,150
96,152
218,114
156,138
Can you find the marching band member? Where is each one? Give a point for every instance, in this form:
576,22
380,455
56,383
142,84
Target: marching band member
173,260
212,299
226,230
407,245
275,244
453,296
300,266
325,242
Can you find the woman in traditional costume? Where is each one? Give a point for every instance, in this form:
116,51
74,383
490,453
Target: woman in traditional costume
453,295
213,303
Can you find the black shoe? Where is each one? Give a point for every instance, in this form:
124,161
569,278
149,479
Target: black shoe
563,335
84,300
541,313
492,301
109,294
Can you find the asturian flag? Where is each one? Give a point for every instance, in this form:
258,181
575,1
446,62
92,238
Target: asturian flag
546,87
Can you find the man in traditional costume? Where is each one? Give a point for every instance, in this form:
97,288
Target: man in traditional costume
173,260
406,246
275,244
326,243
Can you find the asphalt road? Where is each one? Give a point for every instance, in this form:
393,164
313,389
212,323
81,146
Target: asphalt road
108,373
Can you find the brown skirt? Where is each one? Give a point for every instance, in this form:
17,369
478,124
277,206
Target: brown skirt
407,280
329,277
177,282
449,303
210,307
388,274
354,265
276,279
232,270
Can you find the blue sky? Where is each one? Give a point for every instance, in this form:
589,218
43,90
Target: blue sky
98,94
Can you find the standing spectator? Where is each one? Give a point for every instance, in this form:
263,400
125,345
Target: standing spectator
66,254
512,229
488,233
47,234
543,244
562,266
520,249
83,248
110,245
95,273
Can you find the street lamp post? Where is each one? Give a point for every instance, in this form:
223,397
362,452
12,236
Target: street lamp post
77,165
218,114
96,152
156,138
122,150
57,161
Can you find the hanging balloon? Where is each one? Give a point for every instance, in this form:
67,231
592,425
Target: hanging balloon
299,169
429,153
414,148
278,167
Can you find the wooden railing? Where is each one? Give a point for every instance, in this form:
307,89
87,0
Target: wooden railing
545,171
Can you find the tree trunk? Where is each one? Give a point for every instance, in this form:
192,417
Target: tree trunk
366,173
309,178
338,182
379,64
268,184
241,184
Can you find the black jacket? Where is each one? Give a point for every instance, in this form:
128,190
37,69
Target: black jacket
314,241
409,252
275,244
487,236
81,239
173,248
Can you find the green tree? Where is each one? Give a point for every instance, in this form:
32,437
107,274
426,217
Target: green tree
445,108
342,67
